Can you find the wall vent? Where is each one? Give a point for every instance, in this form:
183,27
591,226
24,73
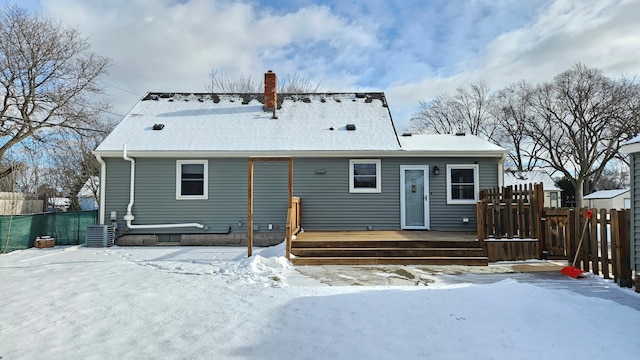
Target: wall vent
99,236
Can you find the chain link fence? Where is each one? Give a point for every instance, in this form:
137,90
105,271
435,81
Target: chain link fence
19,232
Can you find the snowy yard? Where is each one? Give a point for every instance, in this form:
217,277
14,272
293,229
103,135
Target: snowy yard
214,303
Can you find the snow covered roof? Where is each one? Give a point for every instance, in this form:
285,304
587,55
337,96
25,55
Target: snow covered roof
606,194
512,178
632,146
237,123
87,189
450,144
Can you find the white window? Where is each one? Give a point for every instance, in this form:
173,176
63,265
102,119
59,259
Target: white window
364,176
191,179
462,184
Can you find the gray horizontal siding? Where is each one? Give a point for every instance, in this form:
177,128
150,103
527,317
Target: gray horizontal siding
328,205
321,183
226,206
635,210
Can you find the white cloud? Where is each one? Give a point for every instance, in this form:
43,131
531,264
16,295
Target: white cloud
413,50
598,34
175,44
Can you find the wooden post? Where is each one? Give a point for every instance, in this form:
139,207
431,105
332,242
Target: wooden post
538,196
586,243
290,211
623,248
615,264
604,243
250,210
508,211
593,248
480,216
542,241
523,232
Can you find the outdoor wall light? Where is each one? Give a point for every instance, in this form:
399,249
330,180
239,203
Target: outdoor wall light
436,170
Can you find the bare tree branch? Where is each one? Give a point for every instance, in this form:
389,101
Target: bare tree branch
288,84
48,79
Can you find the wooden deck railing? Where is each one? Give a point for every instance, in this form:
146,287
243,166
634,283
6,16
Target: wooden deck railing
293,223
510,212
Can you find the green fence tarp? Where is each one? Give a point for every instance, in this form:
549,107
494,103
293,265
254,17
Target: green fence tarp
19,232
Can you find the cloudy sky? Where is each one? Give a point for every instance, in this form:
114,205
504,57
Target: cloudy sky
413,50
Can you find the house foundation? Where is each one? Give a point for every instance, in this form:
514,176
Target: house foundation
269,238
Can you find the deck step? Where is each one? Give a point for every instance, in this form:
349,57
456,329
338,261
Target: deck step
386,252
431,260
327,243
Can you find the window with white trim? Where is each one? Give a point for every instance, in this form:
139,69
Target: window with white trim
462,184
192,179
364,176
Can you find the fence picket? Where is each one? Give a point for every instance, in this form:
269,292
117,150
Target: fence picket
604,248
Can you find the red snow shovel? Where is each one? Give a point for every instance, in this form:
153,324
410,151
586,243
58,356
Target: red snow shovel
573,271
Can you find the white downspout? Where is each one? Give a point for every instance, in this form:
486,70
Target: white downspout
103,186
501,170
129,216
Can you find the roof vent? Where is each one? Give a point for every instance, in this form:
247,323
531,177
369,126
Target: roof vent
406,134
351,127
158,126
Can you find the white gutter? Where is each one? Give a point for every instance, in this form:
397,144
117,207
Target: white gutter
103,185
129,216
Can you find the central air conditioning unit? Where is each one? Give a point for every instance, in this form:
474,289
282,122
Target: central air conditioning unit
100,236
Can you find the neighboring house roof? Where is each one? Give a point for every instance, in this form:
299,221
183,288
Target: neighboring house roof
87,189
606,194
59,201
450,145
238,123
512,178
631,146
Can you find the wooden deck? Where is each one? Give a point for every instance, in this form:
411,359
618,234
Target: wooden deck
387,247
387,235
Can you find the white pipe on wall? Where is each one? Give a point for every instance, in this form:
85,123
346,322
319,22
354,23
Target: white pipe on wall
103,185
129,216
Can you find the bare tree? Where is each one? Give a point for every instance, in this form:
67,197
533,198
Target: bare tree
512,110
613,177
289,84
73,165
581,122
467,111
48,79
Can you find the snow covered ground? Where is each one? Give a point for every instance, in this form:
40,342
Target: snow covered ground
214,303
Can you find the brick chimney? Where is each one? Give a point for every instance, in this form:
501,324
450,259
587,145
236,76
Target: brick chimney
270,91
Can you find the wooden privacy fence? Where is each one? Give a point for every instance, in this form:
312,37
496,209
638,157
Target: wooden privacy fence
510,212
606,248
514,225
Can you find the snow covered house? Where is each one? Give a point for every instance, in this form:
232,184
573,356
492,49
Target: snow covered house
552,193
609,199
87,195
176,168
